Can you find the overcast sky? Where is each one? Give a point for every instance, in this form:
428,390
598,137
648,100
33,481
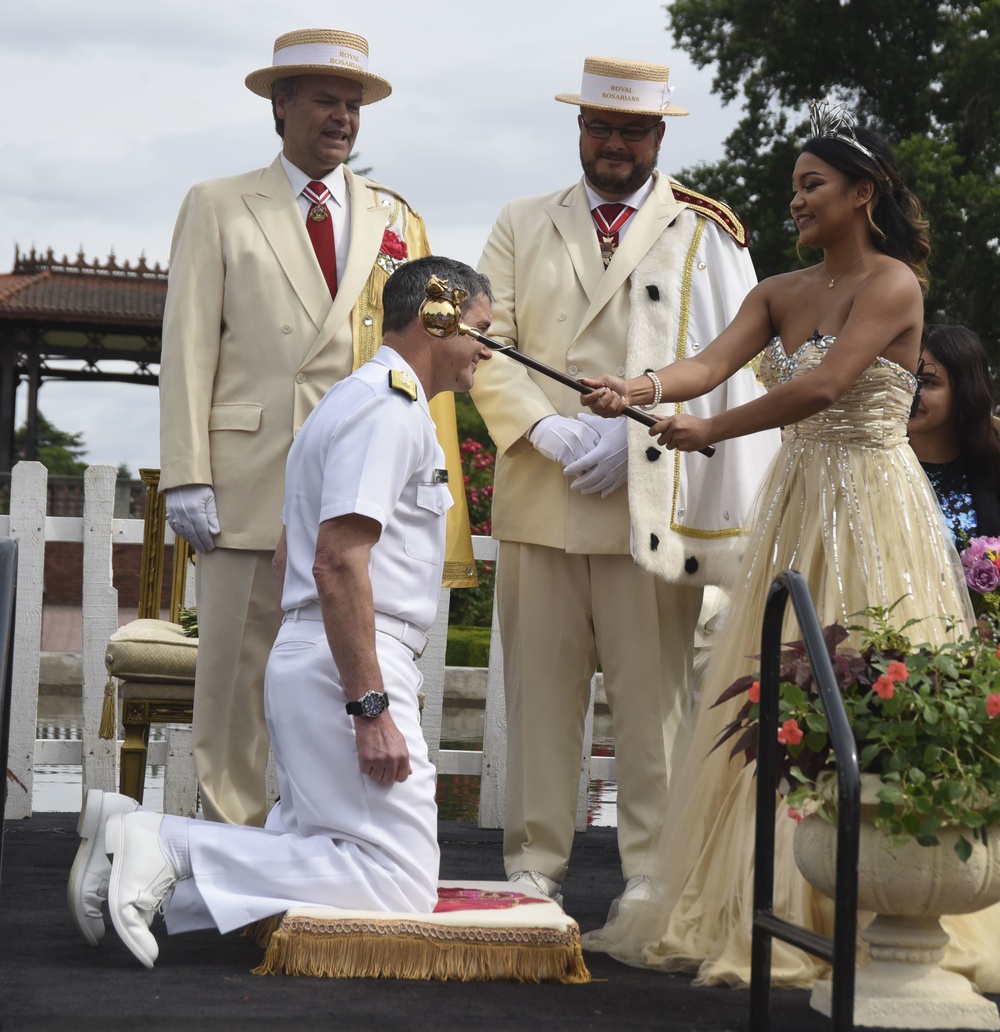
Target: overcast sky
115,107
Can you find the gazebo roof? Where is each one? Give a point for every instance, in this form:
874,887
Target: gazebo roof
44,289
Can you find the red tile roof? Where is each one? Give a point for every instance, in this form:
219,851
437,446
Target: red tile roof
44,288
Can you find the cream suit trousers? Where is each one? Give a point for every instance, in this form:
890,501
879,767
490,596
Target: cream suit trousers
337,838
238,618
560,613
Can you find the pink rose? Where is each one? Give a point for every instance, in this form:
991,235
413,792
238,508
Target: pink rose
896,671
393,246
884,687
753,694
993,705
982,576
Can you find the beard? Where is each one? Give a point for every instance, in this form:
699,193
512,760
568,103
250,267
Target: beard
620,183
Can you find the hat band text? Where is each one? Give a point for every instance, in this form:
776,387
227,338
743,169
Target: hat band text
322,54
604,90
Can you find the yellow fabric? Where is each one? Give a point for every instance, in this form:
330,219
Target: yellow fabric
366,318
847,505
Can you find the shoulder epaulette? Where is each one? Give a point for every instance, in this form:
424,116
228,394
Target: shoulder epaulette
381,188
721,214
401,381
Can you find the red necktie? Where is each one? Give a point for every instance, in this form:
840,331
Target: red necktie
609,219
319,222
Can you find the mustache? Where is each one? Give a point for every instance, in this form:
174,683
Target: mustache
613,155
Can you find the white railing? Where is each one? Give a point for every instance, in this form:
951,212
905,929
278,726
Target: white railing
97,530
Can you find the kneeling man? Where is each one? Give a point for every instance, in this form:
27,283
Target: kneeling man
361,556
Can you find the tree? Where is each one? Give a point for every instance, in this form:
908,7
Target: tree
924,74
59,451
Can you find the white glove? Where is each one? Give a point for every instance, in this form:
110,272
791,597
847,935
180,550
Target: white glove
563,439
191,514
605,467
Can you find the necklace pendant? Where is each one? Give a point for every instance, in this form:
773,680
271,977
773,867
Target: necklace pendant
829,285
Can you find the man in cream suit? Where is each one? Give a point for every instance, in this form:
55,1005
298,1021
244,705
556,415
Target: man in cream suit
606,542
260,322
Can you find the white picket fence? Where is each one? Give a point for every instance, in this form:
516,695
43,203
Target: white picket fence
98,530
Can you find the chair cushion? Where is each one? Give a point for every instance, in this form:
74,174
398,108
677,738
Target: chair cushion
155,651
479,931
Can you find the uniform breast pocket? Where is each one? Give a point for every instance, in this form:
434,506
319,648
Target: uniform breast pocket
423,535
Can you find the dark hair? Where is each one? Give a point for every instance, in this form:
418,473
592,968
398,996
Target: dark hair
406,288
898,228
962,354
287,88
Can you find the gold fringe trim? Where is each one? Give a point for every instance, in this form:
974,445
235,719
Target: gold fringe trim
107,728
262,930
413,950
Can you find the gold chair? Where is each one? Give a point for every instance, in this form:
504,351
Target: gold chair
152,660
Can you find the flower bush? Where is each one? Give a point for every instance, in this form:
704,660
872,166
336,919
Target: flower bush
926,719
981,564
473,607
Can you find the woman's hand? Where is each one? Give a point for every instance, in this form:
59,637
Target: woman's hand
686,433
608,397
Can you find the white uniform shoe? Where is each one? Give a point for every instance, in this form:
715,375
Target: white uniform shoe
639,891
88,878
534,883
141,879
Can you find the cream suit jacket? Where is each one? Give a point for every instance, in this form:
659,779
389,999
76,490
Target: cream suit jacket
251,341
556,302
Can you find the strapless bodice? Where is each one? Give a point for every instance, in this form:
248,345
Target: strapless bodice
871,413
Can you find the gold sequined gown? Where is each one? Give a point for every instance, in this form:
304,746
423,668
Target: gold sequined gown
845,503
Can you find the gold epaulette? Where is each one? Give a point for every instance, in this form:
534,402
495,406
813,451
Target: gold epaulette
401,381
721,214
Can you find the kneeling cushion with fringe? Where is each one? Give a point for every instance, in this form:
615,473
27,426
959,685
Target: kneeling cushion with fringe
479,931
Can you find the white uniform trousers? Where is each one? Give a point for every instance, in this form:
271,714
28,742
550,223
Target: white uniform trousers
348,841
559,613
238,617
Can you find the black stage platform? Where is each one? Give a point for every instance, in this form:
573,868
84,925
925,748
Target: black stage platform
50,979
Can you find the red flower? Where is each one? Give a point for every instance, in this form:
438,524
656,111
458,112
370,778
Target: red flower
754,693
993,705
393,246
795,815
884,687
790,733
896,671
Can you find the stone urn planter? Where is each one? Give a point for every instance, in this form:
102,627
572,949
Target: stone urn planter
908,886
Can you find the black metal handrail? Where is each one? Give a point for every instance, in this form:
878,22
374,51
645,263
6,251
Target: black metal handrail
766,926
8,598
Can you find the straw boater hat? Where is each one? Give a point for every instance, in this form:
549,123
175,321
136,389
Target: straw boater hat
320,52
611,84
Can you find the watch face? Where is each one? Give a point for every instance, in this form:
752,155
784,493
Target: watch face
372,704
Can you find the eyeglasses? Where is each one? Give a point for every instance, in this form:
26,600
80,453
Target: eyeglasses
603,131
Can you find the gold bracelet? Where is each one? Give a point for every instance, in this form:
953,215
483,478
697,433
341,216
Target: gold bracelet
657,390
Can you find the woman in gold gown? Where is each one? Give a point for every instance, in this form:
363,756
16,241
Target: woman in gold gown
845,503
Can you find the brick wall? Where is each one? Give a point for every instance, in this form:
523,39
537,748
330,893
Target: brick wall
64,574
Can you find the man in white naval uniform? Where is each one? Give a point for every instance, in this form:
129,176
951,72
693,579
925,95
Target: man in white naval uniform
356,826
